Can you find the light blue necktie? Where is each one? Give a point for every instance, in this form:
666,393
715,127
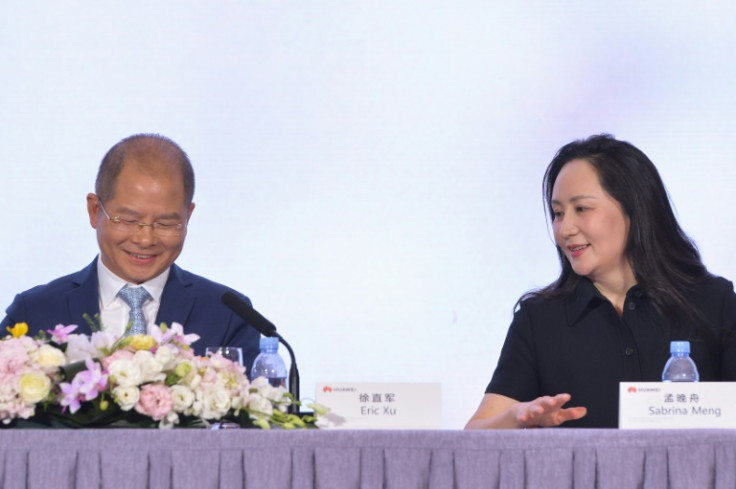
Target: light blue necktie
135,297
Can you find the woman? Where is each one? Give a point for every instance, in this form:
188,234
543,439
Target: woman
631,282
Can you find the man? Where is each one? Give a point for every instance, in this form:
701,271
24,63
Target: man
141,209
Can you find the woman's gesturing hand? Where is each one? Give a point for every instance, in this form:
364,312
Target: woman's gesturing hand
546,411
497,411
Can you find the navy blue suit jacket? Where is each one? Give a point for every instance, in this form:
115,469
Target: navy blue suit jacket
187,299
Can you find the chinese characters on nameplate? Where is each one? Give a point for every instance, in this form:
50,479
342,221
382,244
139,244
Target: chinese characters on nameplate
361,405
648,405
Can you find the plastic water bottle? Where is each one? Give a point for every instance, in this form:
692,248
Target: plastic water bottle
680,367
269,363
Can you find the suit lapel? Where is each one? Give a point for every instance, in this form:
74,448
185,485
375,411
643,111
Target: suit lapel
84,299
176,299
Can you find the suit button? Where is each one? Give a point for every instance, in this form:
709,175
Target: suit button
628,351
632,306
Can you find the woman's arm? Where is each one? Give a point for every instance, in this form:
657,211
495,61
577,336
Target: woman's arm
499,412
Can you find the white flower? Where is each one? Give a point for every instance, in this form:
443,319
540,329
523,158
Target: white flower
183,398
48,356
259,383
272,393
102,341
169,421
165,357
260,405
213,402
34,387
151,370
193,380
79,348
125,372
126,396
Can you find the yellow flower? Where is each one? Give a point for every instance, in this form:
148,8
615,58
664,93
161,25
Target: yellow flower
34,387
20,329
142,342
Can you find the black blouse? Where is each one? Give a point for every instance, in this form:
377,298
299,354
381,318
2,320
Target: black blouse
581,346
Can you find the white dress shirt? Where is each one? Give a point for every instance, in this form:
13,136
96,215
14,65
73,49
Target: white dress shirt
114,312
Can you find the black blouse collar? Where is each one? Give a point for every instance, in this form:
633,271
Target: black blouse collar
587,296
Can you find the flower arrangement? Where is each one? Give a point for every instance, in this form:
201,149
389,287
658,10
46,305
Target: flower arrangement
139,380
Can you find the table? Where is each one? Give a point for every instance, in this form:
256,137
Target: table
313,459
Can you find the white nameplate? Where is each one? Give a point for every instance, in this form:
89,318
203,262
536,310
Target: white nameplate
648,405
384,406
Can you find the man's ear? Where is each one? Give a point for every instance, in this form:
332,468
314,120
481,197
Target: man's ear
191,209
93,208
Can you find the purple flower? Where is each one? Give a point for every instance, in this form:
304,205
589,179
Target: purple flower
70,398
174,337
60,333
85,386
92,380
180,337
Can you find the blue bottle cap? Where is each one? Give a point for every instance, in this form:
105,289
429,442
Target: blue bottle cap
269,343
680,347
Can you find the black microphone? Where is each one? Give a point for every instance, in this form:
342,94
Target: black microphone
246,311
266,328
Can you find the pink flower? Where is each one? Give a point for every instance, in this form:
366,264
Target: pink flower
180,337
117,355
14,354
162,337
60,333
173,336
18,396
155,401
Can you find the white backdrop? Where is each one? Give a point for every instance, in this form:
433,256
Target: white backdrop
369,173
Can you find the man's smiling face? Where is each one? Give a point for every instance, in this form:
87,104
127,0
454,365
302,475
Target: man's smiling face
138,254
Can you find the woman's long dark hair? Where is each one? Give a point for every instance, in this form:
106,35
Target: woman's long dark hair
665,260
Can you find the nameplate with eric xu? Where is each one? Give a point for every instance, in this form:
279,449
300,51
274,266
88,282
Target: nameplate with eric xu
668,405
384,406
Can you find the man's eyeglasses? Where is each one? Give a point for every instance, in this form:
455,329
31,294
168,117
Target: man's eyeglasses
131,226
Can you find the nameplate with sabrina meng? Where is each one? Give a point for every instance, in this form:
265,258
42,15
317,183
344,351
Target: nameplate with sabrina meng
672,405
381,406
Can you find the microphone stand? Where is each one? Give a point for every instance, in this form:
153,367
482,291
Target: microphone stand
293,375
243,309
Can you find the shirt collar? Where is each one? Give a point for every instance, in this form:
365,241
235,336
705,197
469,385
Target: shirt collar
586,296
110,284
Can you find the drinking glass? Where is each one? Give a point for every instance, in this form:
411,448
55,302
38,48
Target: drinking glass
234,354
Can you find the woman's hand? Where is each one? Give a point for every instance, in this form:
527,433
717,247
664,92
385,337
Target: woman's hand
497,411
546,411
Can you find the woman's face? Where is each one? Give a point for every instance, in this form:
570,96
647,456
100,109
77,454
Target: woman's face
590,227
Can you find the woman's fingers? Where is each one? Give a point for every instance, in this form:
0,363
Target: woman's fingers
548,411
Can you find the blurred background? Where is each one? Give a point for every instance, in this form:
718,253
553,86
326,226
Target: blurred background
368,173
